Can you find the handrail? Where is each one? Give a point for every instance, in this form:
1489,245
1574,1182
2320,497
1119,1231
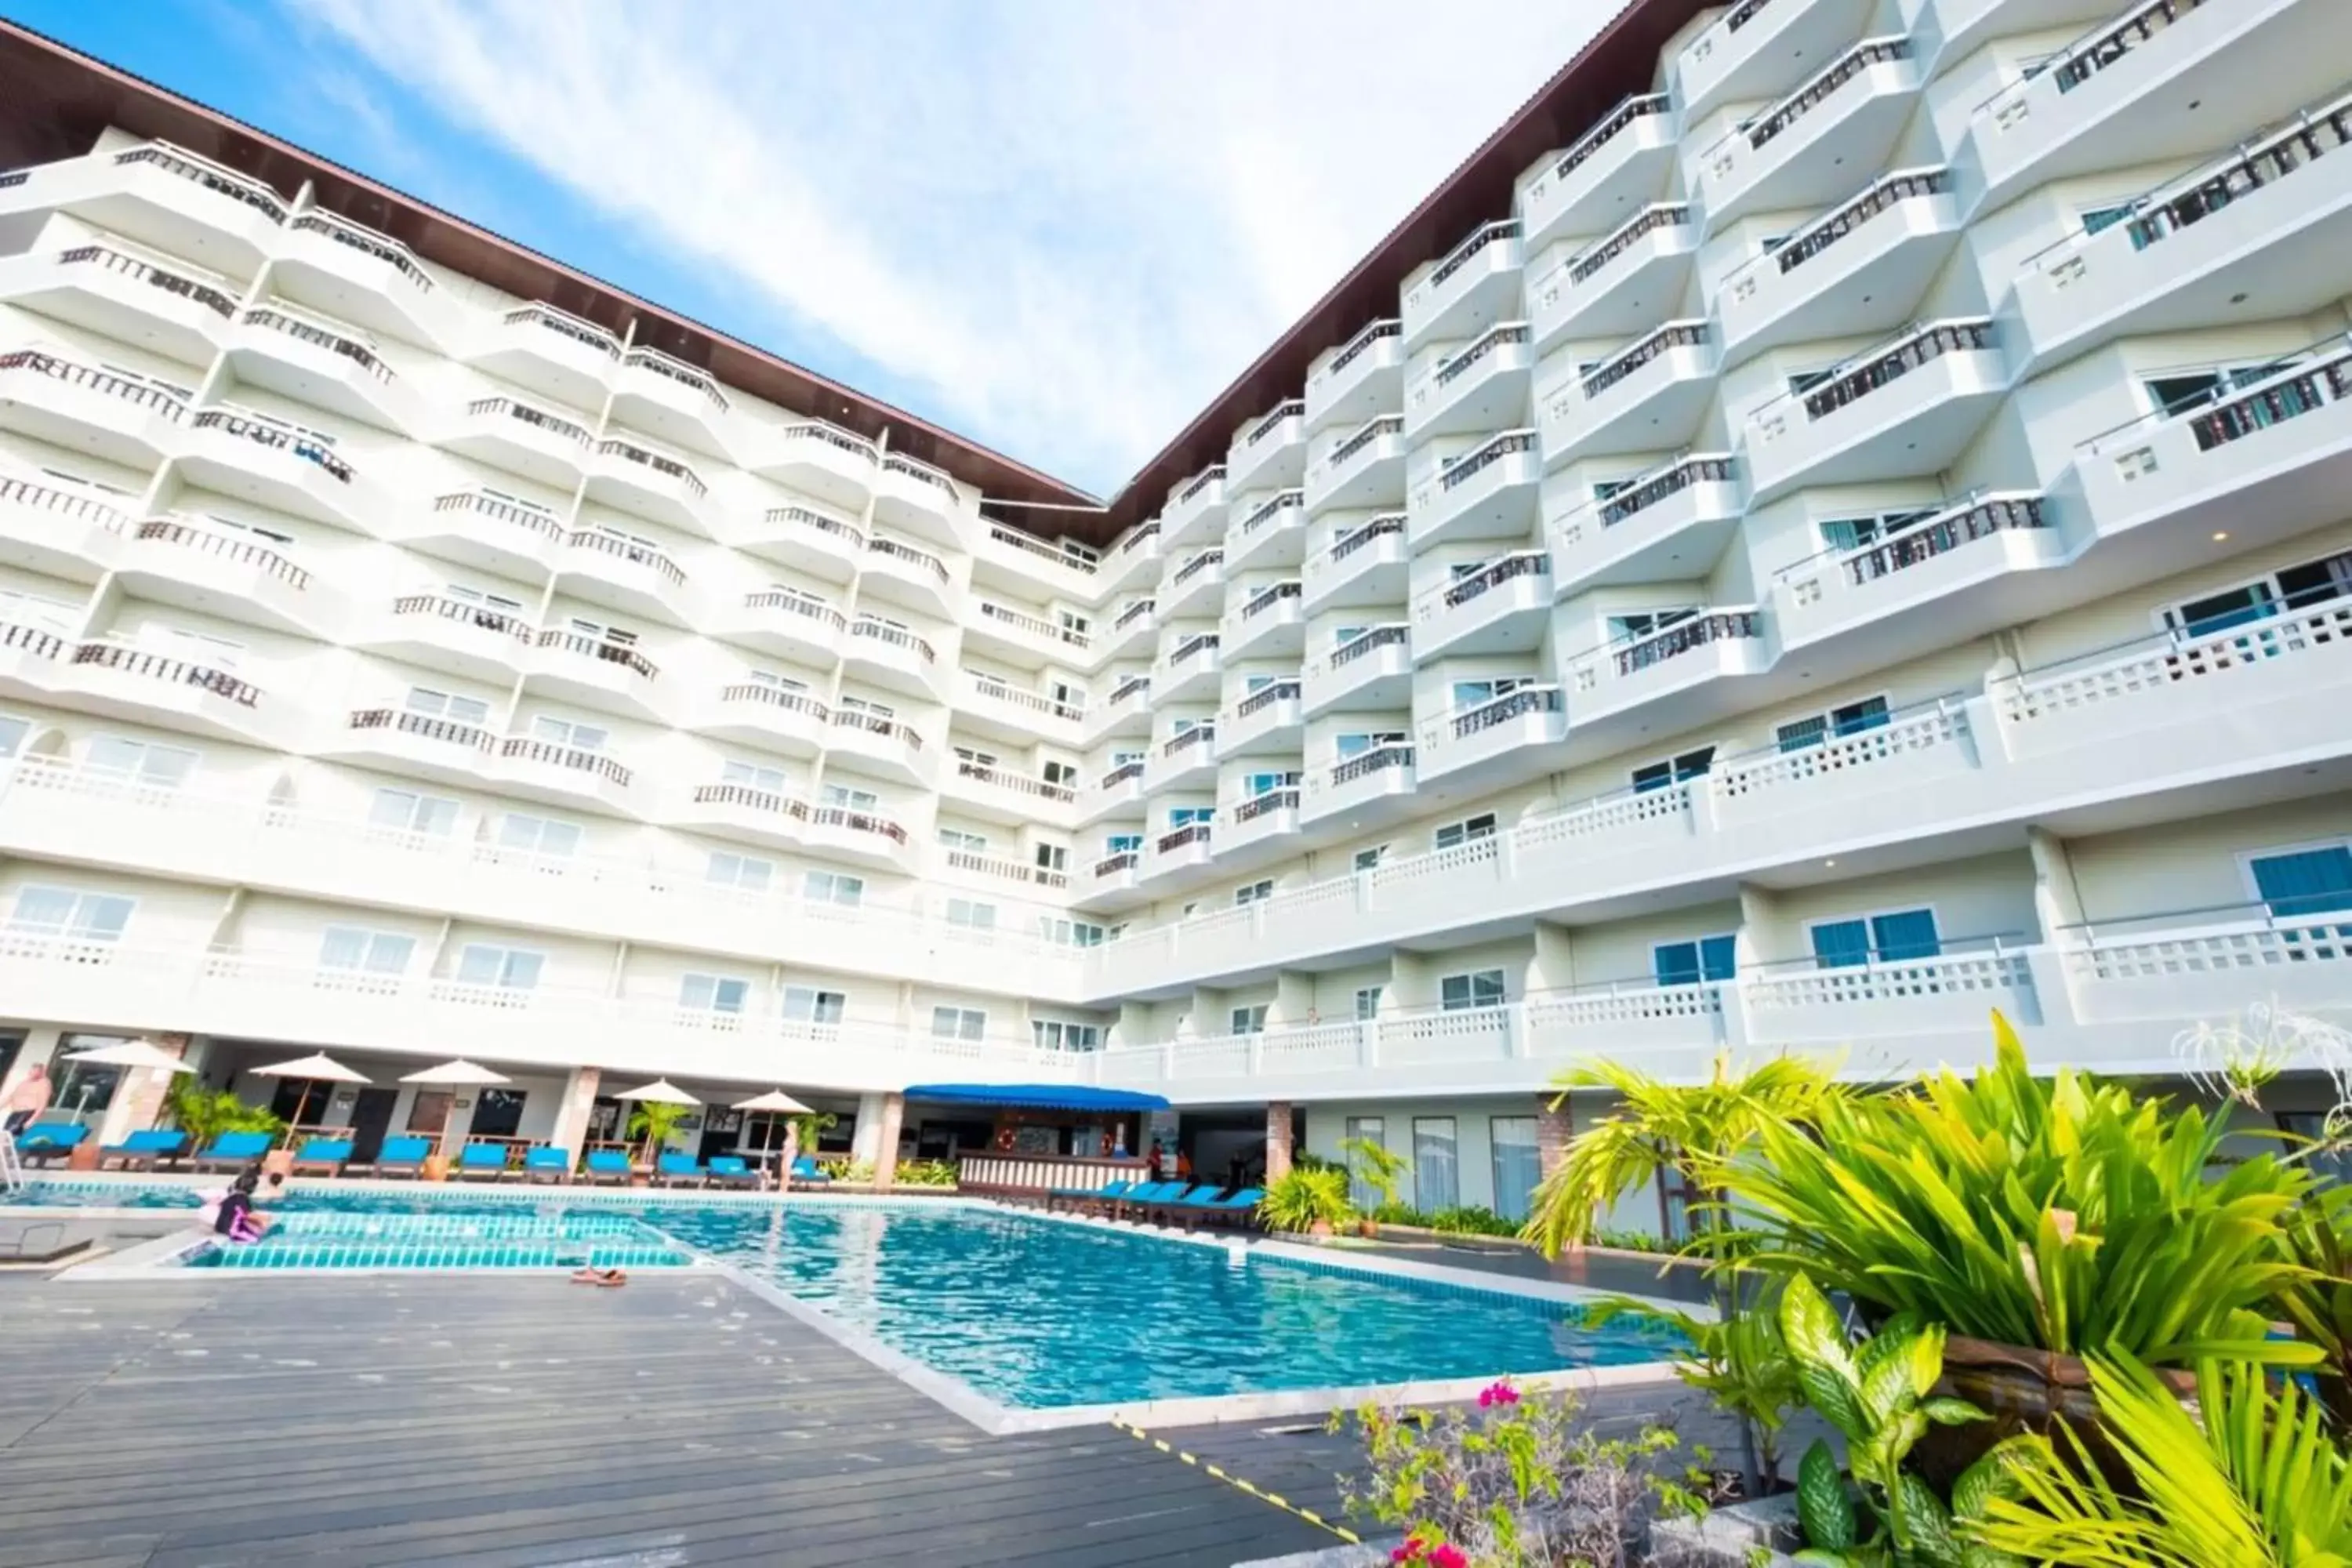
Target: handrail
1653,649
766,800
1282,501
1646,490
775,697
2229,406
1196,643
49,497
1688,334
360,237
537,519
628,549
1143,535
1270,595
1836,74
1038,547
679,371
2104,45
1378,759
878,725
1186,740
1493,451
1926,541
923,559
1204,560
1139,608
1886,191
145,393
830,436
794,603
216,543
1502,335
1387,522
1002,691
278,319
173,159
38,641
1479,239
1365,338
304,445
1355,647
1265,697
628,659
1036,626
562,756
424,724
219,302
1124,860
896,637
1363,436
1471,585
1884,362
164,667
1020,784
565,324
921,473
1128,688
1283,797
1189,834
1213,474
1121,775
1581,267
1513,704
2257,163
858,822
1287,409
554,425
802,517
1633,107
615,447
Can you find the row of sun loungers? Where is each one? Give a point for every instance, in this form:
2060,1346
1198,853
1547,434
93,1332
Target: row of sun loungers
1162,1202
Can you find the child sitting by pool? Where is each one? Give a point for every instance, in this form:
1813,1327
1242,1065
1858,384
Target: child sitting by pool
232,1211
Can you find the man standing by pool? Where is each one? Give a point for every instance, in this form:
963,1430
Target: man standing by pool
27,1100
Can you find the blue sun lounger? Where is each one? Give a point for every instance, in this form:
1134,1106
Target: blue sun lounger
808,1172
1135,1200
46,1141
1074,1196
482,1161
1203,1207
730,1171
402,1157
234,1150
680,1171
546,1163
144,1149
326,1155
607,1168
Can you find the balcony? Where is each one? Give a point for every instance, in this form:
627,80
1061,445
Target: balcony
1468,289
1358,783
899,574
1126,712
1134,631
416,746
1134,560
671,401
219,573
59,531
1909,406
1761,48
1655,1024
1269,624
1021,563
2203,963
1111,880
624,574
1963,560
1843,780
738,811
322,364
357,275
1649,396
990,707
1187,848
1806,1004
518,438
1247,827
1270,452
1691,660
773,718
1187,673
292,470
2162,80
1672,522
1502,608
920,498
1362,468
635,479
996,868
1187,761
864,837
1487,492
132,423
1366,564
998,795
1273,533
1017,637
1613,170
607,677
1950,31
489,532
1863,268
895,658
2260,462
879,746
1194,588
1370,672
181,312
143,686
1479,387
829,548
1195,511
2245,236
1464,744
1119,792
1808,150
820,460
1267,721
545,351
1620,284
1361,379
790,626
166,197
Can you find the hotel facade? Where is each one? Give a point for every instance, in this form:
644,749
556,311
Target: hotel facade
1837,519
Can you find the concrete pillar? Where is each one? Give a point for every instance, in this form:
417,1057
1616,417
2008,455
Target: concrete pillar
886,1153
866,1137
1555,1129
571,1113
1278,1139
2057,900
138,1099
1554,965
1294,1001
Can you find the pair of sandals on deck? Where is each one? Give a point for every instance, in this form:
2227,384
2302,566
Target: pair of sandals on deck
609,1278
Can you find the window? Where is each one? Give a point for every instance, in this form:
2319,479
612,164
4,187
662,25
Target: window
497,603
1371,1130
1804,381
958,1023
977,759
507,968
1858,532
1434,1185
1688,963
1672,771
1122,843
1121,759
712,993
497,1113
872,710
1256,785
1252,684
1368,1003
1185,816
1182,727
971,915
1070,933
1467,830
1073,622
1479,988
1253,893
2304,881
12,734
1063,773
753,775
538,835
358,950
1054,1035
806,1005
1518,1164
435,704
834,888
1357,745
407,811
773,681
1852,718
2187,388
749,872
1893,937
75,915
1367,858
1054,857
570,732
2294,588
1248,1020
957,839
1642,623
1471,693
143,761
39,612
851,799
2104,217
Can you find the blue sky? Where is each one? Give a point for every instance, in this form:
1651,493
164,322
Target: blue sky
1058,227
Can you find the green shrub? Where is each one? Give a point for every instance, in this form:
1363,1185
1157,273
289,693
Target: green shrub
927,1174
1303,1197
1471,1219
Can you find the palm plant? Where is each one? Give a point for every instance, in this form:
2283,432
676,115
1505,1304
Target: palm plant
203,1114
2258,1485
808,1126
1302,1199
1377,1166
1739,1360
2319,1238
655,1120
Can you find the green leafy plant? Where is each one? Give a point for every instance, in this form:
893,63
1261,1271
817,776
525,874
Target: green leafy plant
1302,1198
1400,1214
1472,1219
856,1173
1738,1359
203,1114
2259,1484
927,1174
1879,1397
1377,1166
653,1122
2319,1304
808,1126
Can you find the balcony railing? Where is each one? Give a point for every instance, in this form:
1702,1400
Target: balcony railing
1938,536
1494,575
1649,220
2079,62
1856,379
922,561
1377,637
1462,254
802,517
896,637
538,520
1199,563
278,437
1212,475
627,550
1499,710
1627,113
550,319
828,436
1656,647
1189,834
1271,800
1139,538
423,725
1019,783
1646,491
1198,737
921,473
1267,510
577,759
1126,773
1268,597
216,300
795,604
791,701
1363,764
2262,161
1890,190
1479,458
383,247
880,724
1502,335
1363,436
1134,685
1031,545
1853,63
765,801
540,418
38,641
164,667
143,394
628,659
1113,864
1135,612
211,542
992,687
1198,643
48,497
212,176
1386,524
1036,626
854,821
2309,381
1265,697
319,335
1686,335
669,467
1288,410
680,372
1355,347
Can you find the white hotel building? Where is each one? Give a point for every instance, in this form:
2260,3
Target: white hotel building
1838,518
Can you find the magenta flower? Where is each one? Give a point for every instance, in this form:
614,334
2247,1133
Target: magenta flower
1498,1394
1444,1556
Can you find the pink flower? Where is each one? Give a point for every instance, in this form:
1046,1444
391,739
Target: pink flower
1498,1394
1444,1556
1411,1551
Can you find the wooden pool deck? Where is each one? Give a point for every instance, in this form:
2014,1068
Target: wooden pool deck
520,1422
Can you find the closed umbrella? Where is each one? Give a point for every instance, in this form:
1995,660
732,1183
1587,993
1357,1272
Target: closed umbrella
312,1070
457,1073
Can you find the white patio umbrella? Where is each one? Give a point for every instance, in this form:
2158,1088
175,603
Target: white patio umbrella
661,1091
316,1068
131,1054
773,1104
455,1073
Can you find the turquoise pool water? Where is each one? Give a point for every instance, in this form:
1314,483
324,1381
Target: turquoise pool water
1040,1314
334,1239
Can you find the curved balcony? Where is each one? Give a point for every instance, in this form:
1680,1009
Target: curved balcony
1503,608
991,706
1268,622
1134,631
292,470
143,685
490,532
357,275
1110,881
1021,564
1195,511
634,478
1269,720
820,460
864,837
1000,794
1763,48
1193,587
1362,466
1621,283
321,365
826,547
1648,396
607,677
1963,562
1184,762
773,718
1862,268
1361,379
1126,712
1909,406
180,311
564,775
1485,739
1187,673
1181,850
742,811
1676,674
1119,792
1271,533
1269,452
1370,672
1361,784
671,401
894,658
59,531
519,439
920,498
1467,289
791,625
168,197
415,745
1134,560
1364,565
1247,829
624,574
899,574
1608,173
879,747
546,351
1487,492
1807,149
1670,524
219,573
1478,386
123,419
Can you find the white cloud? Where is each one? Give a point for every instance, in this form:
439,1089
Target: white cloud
1058,225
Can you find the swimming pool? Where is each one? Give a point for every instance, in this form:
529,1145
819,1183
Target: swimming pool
336,1240
1043,1314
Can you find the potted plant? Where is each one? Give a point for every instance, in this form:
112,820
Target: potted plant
655,1120
1314,1201
1380,1168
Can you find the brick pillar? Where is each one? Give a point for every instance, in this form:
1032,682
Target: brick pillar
886,1141
571,1113
1555,1129
1278,1139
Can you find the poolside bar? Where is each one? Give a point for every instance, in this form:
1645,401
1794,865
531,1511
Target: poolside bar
1045,1136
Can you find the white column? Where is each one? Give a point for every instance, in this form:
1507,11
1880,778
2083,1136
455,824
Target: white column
866,1137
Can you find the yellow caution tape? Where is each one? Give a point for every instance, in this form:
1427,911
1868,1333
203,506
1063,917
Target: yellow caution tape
1284,1504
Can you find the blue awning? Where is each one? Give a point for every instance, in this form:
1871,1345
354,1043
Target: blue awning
1037,1096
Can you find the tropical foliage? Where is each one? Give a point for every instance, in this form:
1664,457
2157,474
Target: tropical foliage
653,1121
203,1114
1302,1197
1737,1359
1377,1166
2320,1238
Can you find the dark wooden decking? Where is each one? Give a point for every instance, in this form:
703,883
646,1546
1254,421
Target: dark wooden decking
502,1422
